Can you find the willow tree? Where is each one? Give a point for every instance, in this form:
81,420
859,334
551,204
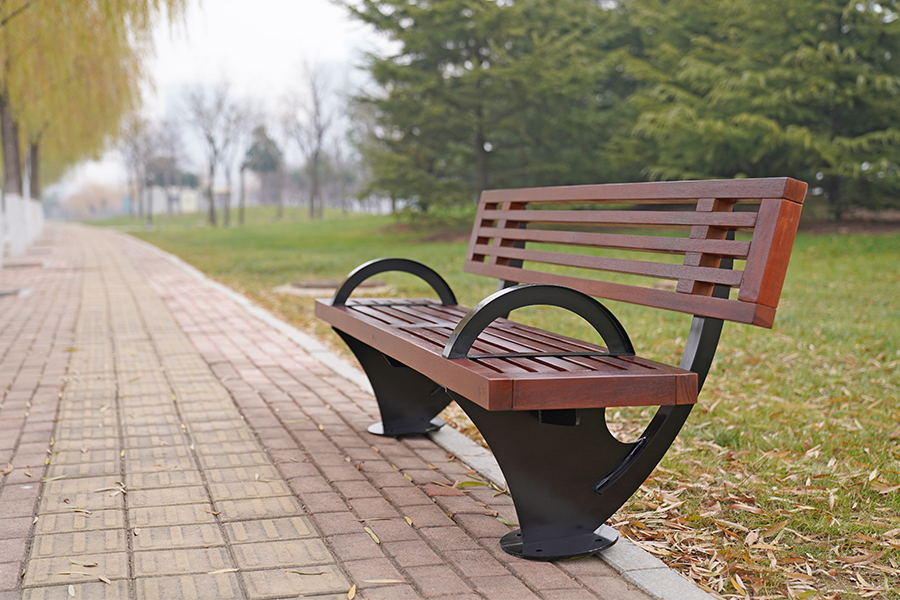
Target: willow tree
68,73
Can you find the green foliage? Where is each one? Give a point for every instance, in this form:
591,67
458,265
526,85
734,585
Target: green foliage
738,88
490,94
263,155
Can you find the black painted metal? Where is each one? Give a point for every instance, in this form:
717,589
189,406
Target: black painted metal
501,303
382,265
408,400
550,471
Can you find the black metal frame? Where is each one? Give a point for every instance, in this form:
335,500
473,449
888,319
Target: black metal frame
567,474
409,402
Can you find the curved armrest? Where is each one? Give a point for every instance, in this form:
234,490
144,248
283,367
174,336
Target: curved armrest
381,265
499,304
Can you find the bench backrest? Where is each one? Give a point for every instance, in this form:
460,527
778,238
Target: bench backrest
517,234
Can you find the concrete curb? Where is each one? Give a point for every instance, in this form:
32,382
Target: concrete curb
636,566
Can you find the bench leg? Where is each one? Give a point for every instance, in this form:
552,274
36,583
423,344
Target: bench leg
567,479
409,402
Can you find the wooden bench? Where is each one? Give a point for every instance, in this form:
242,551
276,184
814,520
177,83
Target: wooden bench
539,398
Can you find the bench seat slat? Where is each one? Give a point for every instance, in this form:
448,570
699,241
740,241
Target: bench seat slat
616,265
516,383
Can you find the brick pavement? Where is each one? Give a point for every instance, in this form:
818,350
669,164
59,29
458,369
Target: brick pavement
199,453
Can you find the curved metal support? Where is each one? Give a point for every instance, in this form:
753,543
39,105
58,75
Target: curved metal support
408,401
382,265
501,303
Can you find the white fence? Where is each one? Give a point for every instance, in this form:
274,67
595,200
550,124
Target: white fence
21,222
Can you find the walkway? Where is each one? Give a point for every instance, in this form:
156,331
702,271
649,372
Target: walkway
157,440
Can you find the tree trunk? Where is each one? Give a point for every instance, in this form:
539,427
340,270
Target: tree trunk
226,199
241,198
12,164
279,196
148,198
34,185
212,202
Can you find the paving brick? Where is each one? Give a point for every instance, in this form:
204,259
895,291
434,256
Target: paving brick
393,530
319,502
476,563
241,474
282,583
178,536
412,553
280,506
185,514
12,550
178,561
198,586
162,479
365,572
50,571
252,488
429,515
78,542
438,580
357,489
310,485
355,546
11,527
78,521
93,590
448,538
482,526
289,528
337,522
282,553
224,461
167,496
503,588
373,508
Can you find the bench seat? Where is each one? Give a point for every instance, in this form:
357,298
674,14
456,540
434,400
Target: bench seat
511,366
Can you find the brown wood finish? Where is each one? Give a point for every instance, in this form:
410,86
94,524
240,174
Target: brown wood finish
515,367
515,383
508,235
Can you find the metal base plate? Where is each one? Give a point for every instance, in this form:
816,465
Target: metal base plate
592,543
433,425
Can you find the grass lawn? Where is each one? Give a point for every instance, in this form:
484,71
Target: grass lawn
785,482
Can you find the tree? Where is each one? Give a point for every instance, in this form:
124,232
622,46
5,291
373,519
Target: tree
810,89
217,120
264,158
68,72
137,146
490,94
308,120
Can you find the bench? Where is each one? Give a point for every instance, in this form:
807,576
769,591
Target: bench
539,398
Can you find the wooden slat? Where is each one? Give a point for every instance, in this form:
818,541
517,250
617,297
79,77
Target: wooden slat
615,241
617,265
737,189
770,251
719,308
635,218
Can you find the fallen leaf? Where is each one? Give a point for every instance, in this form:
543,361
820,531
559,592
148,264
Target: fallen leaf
306,572
372,533
222,571
408,521
136,531
506,521
82,564
776,528
382,581
352,593
72,590
746,508
8,468
104,579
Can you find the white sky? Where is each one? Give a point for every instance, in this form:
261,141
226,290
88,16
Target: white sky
258,45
